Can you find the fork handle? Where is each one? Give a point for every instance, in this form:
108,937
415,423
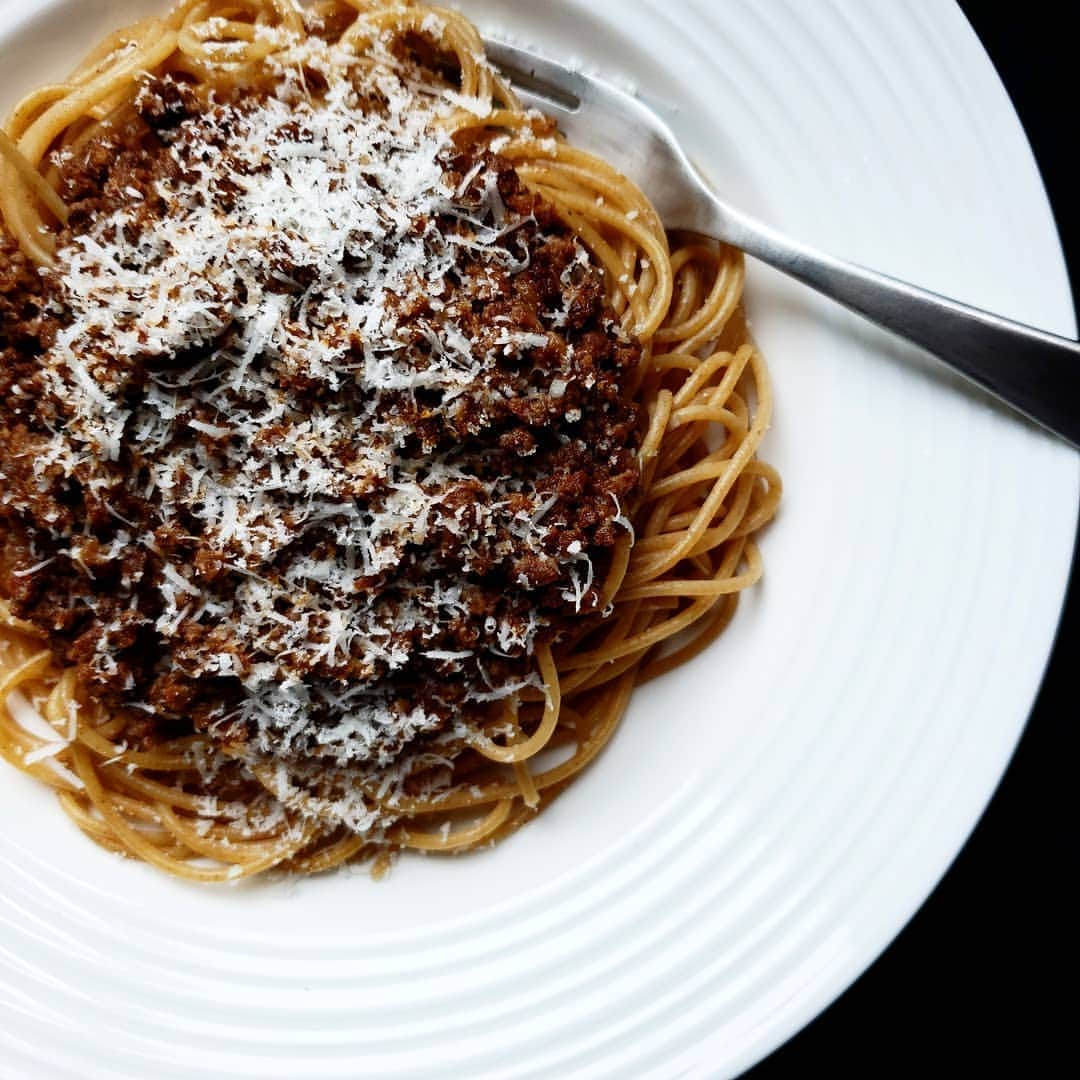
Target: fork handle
1034,372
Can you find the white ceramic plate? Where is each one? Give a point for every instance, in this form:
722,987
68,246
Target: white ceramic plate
767,818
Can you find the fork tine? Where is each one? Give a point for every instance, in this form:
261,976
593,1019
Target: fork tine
557,85
618,126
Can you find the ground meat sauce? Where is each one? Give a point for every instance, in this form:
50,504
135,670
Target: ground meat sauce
239,502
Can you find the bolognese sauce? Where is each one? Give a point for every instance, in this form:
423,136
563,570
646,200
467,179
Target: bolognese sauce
319,423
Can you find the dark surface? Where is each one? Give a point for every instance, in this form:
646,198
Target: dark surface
973,986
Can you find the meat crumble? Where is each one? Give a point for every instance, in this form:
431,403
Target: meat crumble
319,424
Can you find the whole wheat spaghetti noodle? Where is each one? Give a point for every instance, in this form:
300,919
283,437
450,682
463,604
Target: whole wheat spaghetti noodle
194,798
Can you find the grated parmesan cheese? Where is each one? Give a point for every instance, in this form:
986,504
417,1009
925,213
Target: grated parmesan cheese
268,346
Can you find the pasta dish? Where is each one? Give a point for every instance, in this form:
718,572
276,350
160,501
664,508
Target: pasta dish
362,443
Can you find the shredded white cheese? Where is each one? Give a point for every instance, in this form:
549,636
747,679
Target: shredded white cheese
246,329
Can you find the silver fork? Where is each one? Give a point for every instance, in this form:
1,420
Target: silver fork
1036,373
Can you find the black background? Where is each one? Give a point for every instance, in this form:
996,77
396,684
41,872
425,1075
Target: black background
981,982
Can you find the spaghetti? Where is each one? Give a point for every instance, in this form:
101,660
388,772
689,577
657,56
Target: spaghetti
197,794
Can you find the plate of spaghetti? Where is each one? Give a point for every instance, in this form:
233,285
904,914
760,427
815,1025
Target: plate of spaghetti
410,656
